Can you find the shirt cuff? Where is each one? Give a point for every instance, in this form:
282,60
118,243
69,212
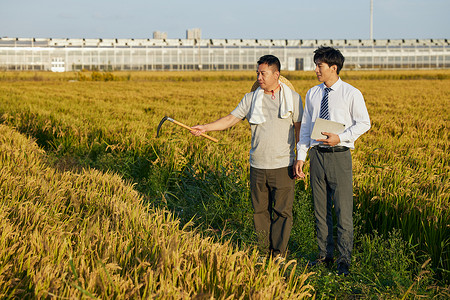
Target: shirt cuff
301,153
344,137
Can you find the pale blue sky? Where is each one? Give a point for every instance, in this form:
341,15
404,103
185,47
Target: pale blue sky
295,19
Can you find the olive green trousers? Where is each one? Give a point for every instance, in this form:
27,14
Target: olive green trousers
272,193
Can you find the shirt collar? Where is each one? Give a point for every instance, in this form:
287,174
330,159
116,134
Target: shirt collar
335,86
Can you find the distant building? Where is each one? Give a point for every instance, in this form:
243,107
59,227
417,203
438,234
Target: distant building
194,34
57,65
67,54
158,35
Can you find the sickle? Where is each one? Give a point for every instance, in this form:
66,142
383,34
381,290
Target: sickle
182,125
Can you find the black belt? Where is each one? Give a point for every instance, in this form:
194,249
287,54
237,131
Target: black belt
331,149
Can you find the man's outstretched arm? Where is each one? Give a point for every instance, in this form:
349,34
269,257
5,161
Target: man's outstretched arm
220,124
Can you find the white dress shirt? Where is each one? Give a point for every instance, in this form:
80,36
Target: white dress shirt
345,104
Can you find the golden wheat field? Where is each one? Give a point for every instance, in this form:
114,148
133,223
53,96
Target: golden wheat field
85,121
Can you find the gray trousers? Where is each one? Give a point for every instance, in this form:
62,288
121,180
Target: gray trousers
331,183
272,193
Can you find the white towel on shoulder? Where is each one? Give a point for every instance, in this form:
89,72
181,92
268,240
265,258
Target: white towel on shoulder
286,104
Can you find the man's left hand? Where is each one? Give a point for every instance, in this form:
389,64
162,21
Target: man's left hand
331,140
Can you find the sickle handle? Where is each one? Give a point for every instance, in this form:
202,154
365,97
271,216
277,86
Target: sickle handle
189,128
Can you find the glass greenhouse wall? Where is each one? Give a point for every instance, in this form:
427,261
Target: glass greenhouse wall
213,54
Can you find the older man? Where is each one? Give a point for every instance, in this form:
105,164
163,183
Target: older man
274,112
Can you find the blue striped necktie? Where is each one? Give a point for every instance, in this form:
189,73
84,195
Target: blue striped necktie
324,113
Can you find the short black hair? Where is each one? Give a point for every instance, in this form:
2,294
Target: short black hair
270,60
330,56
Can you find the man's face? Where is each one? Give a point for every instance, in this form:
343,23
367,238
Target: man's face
267,77
324,72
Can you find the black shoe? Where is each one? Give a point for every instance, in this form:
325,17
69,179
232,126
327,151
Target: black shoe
342,269
279,260
328,261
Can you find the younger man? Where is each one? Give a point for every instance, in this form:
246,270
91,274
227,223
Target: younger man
330,158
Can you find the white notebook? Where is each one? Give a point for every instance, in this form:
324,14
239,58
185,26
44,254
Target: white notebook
323,125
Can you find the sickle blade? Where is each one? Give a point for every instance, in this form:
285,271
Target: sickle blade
160,124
